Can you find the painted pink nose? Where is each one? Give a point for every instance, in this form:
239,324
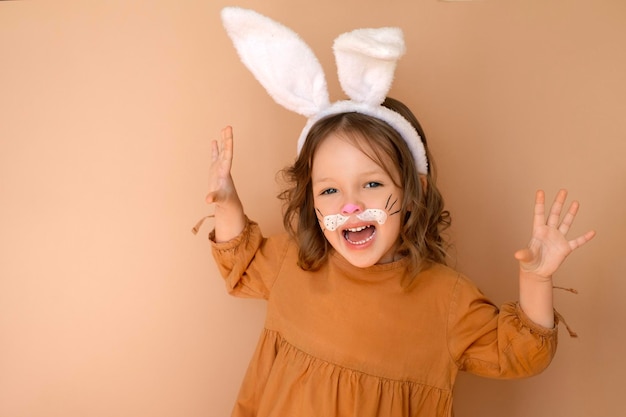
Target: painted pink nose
350,208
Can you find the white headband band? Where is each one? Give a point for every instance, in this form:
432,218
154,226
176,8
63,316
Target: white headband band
290,72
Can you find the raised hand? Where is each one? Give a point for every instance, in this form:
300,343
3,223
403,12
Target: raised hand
229,215
221,186
549,245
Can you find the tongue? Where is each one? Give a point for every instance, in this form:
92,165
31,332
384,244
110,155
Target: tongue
360,236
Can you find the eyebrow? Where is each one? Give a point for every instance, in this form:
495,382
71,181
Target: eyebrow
364,174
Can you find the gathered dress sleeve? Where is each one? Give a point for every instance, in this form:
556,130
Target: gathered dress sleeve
496,342
250,263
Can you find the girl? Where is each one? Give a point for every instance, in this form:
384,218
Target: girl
363,316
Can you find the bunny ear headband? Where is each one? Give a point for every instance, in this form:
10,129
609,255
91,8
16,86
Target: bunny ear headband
290,72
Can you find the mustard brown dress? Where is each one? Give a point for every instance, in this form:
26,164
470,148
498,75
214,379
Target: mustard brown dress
346,341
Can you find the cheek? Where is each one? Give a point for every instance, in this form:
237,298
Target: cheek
393,226
326,206
323,210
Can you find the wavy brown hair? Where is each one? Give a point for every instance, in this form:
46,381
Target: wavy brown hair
422,207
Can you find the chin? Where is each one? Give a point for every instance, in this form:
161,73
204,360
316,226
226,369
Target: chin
365,260
360,263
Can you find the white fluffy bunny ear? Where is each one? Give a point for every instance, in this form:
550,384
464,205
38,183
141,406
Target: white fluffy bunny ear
366,61
292,75
284,65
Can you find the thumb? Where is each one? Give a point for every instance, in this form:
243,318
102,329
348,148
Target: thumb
524,255
211,197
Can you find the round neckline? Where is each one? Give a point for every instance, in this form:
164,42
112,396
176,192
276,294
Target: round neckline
377,272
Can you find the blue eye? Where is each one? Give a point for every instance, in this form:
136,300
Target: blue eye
373,184
329,191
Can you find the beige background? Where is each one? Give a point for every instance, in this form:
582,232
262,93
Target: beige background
109,306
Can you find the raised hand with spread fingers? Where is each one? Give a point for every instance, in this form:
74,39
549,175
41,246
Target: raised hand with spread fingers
229,215
546,251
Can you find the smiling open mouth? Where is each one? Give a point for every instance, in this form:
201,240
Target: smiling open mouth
359,235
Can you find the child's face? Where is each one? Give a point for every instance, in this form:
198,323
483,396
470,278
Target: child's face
346,183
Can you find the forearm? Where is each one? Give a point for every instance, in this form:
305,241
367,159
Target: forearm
536,299
230,219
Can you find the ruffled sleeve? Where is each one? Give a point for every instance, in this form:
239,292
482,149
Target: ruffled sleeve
497,343
249,263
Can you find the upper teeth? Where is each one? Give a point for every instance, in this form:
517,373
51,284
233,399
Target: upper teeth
358,229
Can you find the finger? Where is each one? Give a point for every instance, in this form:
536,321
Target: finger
227,143
539,218
569,218
557,207
581,240
227,132
215,152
